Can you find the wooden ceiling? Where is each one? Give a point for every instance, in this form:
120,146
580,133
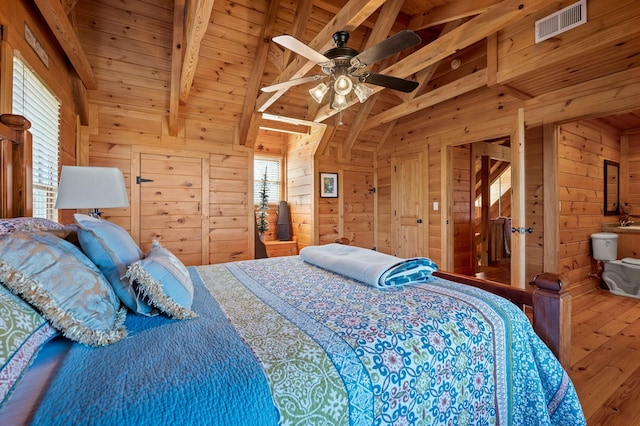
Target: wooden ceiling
207,59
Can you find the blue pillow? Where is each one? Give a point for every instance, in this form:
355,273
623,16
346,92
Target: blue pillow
67,289
112,249
165,281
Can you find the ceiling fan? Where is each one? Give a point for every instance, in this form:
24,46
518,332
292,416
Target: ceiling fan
343,65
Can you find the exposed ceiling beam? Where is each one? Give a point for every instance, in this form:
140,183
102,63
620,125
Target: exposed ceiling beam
176,65
259,62
282,127
68,5
303,11
472,31
492,68
56,18
198,15
380,32
450,12
423,77
348,18
441,94
334,6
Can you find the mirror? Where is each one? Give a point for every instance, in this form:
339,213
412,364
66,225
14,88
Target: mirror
611,188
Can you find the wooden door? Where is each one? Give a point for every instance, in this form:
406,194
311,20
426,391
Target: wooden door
462,190
358,208
408,185
171,205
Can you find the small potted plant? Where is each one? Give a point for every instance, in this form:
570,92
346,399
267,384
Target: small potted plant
263,206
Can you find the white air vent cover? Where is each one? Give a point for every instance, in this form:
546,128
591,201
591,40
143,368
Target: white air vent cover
561,21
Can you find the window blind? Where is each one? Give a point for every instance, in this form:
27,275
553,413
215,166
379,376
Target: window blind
32,99
273,168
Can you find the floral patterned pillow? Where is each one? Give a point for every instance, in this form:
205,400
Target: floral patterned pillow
22,333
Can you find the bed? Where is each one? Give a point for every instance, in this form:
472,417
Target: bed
336,335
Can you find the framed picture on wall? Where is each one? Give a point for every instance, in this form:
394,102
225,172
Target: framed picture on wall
329,185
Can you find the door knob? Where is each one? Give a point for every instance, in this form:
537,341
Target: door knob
522,230
419,221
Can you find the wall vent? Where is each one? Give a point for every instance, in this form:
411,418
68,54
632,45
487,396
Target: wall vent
561,21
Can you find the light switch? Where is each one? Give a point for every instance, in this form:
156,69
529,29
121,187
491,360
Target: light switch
435,206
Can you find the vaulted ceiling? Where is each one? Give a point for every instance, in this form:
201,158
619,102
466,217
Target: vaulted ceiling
206,60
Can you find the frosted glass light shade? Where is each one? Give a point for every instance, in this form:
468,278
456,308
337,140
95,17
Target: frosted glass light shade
342,85
91,187
362,92
318,92
339,102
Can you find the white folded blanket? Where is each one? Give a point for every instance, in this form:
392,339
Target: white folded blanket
371,267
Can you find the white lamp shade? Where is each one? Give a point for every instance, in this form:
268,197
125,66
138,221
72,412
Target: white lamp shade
91,187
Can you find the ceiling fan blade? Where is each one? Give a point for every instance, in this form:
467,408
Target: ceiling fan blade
390,46
301,49
395,83
291,83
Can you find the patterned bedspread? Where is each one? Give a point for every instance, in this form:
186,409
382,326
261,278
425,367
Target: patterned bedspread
435,353
279,341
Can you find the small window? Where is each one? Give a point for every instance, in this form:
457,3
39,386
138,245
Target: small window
32,99
272,166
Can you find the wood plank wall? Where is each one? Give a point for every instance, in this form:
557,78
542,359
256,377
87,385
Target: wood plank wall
583,147
354,213
56,75
632,195
119,137
300,185
534,202
463,220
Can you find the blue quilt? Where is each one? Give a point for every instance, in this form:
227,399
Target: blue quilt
284,342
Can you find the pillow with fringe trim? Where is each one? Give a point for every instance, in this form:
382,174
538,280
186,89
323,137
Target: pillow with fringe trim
67,289
164,281
22,333
112,250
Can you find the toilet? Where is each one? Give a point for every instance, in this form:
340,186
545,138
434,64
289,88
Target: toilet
621,276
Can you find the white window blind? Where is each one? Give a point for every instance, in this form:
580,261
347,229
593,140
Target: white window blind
32,99
273,168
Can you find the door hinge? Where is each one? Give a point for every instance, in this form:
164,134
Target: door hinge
140,180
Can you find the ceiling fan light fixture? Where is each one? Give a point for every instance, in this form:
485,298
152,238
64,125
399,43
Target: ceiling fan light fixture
339,102
318,92
362,92
343,85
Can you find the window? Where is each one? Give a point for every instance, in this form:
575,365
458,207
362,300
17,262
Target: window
272,166
32,99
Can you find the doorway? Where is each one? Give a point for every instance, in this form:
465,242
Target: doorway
485,243
492,209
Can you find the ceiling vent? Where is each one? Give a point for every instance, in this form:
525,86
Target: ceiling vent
561,21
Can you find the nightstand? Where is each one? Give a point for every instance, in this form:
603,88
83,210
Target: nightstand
277,248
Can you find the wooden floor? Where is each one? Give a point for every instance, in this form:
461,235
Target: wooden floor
605,353
605,357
